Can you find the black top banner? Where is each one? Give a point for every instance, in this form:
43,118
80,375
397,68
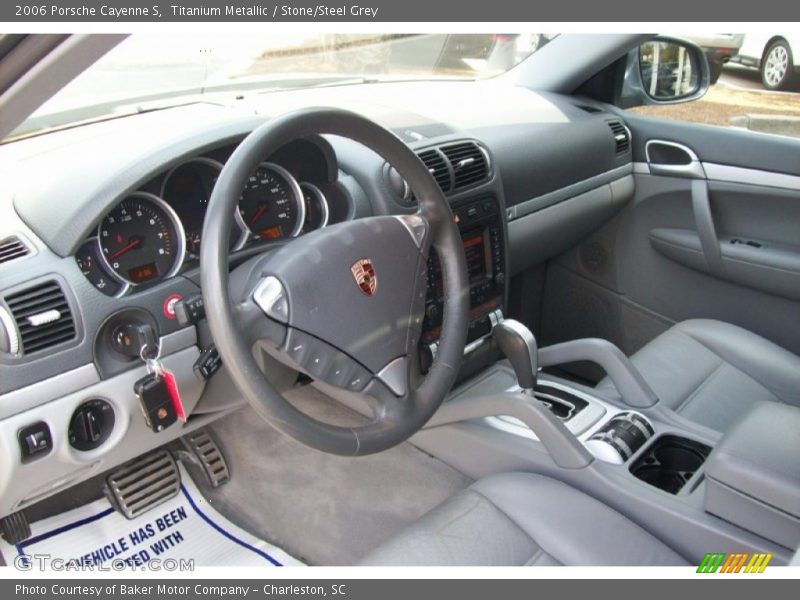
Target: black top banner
387,11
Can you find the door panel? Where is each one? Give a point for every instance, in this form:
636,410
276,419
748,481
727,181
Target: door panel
719,242
720,145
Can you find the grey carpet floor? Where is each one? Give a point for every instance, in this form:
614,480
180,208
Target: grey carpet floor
323,509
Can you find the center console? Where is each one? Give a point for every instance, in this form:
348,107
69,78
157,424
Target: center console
695,489
480,223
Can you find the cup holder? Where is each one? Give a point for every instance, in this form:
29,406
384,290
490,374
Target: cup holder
679,458
670,462
669,481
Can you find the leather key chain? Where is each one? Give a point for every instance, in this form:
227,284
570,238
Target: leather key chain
172,389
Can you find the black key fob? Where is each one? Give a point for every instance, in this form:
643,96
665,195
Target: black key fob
156,403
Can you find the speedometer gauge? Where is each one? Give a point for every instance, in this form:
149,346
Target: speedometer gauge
141,239
271,204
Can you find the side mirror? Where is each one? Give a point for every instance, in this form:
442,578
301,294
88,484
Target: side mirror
665,71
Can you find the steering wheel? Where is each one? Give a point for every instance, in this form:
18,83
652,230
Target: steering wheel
343,304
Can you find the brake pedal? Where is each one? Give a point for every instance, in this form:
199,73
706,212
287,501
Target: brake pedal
208,455
144,483
15,528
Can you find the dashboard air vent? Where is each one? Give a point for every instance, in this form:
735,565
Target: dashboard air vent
469,164
42,316
622,139
12,248
437,165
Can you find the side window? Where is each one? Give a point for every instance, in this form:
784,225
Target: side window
755,83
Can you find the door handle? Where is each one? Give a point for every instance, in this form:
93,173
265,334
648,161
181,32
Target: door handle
704,223
673,160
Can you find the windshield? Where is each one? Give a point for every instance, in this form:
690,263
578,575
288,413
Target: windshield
151,71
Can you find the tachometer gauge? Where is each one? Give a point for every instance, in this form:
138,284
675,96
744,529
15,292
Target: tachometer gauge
271,205
316,207
142,239
187,188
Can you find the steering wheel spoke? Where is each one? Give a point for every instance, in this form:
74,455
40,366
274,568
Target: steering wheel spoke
255,326
391,389
419,227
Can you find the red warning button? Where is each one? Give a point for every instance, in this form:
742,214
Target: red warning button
169,305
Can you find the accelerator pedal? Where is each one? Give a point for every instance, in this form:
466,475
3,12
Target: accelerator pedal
208,456
15,528
144,483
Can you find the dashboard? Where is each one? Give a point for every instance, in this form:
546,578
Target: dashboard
103,225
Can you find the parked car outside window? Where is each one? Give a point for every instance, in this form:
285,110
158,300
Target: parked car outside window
776,56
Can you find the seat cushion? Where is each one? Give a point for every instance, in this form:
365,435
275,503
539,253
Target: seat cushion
713,372
522,519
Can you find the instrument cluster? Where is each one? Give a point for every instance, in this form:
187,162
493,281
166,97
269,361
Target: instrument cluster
153,232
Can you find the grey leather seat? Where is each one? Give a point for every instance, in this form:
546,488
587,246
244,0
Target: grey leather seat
522,519
712,372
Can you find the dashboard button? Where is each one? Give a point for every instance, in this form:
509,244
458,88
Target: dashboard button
324,362
169,305
35,441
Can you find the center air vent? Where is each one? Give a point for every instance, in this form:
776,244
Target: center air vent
437,166
455,166
12,248
469,164
42,316
622,138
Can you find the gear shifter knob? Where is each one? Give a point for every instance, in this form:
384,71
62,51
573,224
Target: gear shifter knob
519,345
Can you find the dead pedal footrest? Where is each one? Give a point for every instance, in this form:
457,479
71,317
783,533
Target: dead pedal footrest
208,454
144,483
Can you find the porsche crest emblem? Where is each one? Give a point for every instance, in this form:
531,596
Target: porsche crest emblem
364,275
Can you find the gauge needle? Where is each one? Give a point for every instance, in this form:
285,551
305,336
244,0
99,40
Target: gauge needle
258,214
129,246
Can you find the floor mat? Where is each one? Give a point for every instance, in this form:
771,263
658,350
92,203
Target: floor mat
323,509
184,527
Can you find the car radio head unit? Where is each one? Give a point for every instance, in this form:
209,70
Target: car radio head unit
477,250
481,227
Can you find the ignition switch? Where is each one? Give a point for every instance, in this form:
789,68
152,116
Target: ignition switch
130,338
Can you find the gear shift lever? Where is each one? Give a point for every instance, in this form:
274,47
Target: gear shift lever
519,345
